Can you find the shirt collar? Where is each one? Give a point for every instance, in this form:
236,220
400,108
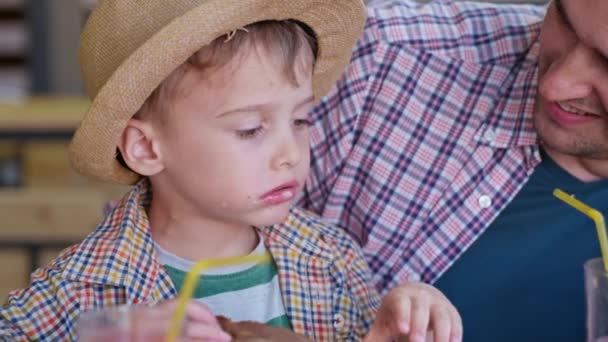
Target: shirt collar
510,123
120,252
300,234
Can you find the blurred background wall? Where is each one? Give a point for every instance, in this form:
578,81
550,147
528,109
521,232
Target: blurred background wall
44,204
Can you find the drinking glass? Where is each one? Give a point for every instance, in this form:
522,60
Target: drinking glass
596,292
124,324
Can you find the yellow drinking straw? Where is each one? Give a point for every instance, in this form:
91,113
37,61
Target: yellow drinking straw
593,214
190,282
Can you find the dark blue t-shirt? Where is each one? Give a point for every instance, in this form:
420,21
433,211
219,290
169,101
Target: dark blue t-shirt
522,280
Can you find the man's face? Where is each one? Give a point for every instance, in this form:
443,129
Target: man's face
571,114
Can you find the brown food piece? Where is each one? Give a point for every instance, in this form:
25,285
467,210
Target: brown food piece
257,332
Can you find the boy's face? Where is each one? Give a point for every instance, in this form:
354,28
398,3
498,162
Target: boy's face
572,106
235,144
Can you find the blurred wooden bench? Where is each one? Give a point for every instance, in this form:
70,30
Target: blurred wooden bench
38,128
36,223
41,118
51,206
49,214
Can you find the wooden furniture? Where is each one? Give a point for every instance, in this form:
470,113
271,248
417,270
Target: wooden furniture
45,122
14,75
41,118
47,206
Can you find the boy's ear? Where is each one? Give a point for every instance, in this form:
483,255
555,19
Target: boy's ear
140,149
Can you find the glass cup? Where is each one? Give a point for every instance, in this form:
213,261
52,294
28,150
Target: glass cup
596,290
124,324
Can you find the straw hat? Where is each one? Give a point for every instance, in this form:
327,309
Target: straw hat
128,47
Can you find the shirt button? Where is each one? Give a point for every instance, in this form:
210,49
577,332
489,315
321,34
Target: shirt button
485,202
489,135
338,321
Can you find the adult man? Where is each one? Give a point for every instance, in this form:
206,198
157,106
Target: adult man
440,147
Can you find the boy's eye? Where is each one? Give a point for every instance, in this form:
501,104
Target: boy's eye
302,123
249,133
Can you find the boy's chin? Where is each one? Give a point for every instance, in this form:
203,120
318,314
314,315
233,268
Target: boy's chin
271,216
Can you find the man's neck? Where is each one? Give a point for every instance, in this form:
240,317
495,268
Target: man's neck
585,169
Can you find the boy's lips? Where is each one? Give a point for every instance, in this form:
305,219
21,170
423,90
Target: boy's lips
282,193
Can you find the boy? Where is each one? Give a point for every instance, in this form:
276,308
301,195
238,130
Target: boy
203,104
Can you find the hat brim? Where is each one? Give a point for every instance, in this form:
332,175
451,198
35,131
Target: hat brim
93,147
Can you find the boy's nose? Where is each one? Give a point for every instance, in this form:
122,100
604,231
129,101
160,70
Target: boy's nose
288,153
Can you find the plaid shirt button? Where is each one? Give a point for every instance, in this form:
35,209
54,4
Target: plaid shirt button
485,202
489,135
338,321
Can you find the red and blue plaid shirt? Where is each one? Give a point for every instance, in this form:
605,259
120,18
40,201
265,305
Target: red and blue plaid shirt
429,133
325,283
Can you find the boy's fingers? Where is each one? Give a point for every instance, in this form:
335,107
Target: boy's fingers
195,311
398,315
376,333
420,320
456,326
199,312
441,323
389,317
205,332
380,328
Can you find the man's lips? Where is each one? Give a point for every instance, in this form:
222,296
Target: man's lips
578,109
567,116
282,193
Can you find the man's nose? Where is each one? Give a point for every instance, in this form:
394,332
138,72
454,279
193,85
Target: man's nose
573,76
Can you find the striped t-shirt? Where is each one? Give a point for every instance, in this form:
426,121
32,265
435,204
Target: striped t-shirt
247,292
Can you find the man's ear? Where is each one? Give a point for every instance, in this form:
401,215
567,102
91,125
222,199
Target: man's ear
140,148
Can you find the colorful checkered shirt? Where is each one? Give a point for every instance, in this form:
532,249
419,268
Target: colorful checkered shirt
429,133
325,283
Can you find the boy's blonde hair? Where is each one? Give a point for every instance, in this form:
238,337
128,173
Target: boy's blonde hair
285,39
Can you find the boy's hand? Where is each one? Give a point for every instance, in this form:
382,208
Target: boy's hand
413,309
201,323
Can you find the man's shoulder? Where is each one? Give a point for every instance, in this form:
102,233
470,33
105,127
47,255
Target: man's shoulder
472,31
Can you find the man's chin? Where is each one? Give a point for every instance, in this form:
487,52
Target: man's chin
573,147
551,135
